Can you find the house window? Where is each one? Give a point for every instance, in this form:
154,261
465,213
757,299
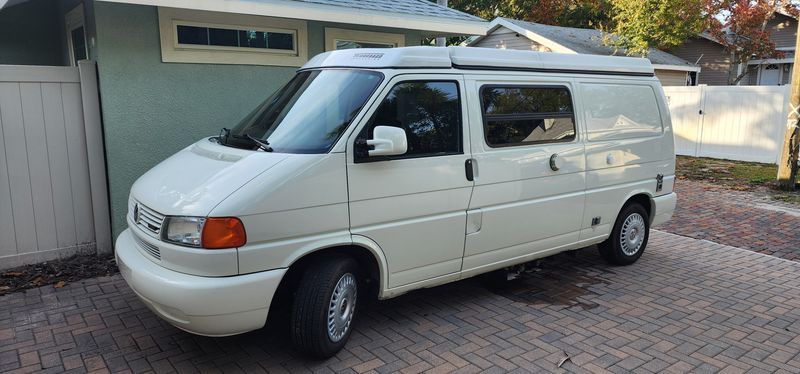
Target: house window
76,35
346,39
222,38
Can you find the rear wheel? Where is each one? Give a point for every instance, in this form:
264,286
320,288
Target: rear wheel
325,307
629,237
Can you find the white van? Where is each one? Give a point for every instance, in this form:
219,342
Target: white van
381,171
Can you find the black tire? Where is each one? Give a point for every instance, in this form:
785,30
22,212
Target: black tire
613,250
309,320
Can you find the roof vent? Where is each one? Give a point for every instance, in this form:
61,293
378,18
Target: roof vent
367,56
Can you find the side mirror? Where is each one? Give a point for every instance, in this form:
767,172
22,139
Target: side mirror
388,141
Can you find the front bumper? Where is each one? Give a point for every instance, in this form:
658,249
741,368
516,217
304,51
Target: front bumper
665,206
211,306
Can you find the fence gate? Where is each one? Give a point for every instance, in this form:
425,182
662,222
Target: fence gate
743,123
53,193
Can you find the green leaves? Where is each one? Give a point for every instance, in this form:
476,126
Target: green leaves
644,24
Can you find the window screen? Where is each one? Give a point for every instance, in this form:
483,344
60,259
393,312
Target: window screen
527,115
617,111
211,36
430,114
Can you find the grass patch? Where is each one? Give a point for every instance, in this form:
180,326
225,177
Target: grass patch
733,174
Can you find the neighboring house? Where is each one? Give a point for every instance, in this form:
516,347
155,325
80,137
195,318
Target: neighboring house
514,34
716,63
173,71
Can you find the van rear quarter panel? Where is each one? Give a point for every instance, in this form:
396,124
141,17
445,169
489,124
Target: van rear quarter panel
622,163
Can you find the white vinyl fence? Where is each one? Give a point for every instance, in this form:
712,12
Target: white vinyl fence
53,194
744,123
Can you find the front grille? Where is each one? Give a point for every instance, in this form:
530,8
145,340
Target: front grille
147,219
152,250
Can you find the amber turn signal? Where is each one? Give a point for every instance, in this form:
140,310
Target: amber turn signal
225,232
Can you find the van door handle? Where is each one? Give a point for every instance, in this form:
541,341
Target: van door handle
469,171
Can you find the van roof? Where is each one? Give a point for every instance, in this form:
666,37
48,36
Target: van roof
474,58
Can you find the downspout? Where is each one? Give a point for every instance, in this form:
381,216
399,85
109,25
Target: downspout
441,41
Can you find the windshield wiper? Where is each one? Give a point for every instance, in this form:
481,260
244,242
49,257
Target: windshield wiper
263,144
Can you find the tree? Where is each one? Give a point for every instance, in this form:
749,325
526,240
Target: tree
741,26
571,13
643,24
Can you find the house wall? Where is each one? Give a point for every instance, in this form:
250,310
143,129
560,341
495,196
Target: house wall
30,34
783,31
505,38
671,77
153,109
714,61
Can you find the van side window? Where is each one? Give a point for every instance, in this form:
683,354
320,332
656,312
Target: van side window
519,115
428,111
618,111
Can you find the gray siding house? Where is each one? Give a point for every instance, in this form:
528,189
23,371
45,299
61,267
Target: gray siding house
717,64
514,34
173,71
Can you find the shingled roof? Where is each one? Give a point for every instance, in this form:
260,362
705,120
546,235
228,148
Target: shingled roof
585,41
415,7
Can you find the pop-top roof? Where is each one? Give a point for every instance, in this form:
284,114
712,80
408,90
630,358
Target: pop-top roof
480,58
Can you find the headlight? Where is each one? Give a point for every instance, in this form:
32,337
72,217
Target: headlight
184,230
201,232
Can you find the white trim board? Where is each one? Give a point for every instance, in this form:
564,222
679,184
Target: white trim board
326,13
332,35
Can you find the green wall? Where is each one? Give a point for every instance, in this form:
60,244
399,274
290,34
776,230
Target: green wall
30,34
153,109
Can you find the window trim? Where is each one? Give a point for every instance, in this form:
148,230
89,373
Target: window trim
332,35
74,19
172,51
363,160
544,115
178,45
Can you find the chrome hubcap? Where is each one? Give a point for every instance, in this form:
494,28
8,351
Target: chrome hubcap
342,307
632,234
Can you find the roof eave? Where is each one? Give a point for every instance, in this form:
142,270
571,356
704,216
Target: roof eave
676,67
326,13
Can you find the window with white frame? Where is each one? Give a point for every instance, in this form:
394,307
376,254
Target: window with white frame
221,38
347,39
76,35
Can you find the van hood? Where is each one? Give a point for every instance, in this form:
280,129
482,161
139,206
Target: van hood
193,181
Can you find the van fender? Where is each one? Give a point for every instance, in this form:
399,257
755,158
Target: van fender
383,265
634,192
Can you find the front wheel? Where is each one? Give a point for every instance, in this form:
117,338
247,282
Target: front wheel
629,236
325,307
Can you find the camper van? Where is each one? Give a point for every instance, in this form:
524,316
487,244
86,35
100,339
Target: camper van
374,172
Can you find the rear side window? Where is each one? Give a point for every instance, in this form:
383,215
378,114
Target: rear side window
617,111
428,111
520,115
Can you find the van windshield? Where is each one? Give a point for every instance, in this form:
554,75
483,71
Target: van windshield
308,114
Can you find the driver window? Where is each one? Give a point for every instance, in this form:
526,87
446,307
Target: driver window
428,111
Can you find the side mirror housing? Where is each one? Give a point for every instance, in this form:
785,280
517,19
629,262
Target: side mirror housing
388,141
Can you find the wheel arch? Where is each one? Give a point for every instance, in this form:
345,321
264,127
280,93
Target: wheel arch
644,198
366,252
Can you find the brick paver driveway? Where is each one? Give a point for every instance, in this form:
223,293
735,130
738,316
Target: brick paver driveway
687,306
739,218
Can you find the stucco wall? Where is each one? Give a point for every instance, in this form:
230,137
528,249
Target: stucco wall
30,34
153,109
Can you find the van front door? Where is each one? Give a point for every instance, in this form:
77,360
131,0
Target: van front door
529,187
414,205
